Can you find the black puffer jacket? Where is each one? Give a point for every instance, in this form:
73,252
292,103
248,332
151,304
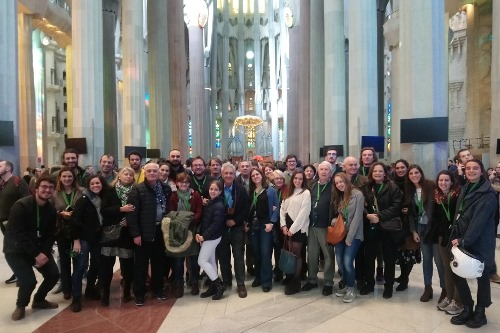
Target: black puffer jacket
142,221
213,222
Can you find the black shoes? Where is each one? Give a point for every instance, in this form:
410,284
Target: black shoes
327,290
139,300
209,292
308,286
76,304
387,292
479,318
466,315
366,290
92,293
266,289
12,279
256,283
219,289
44,305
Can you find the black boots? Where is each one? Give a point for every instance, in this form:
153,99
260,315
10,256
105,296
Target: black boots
210,291
126,292
105,298
293,286
219,289
479,318
76,304
404,278
466,315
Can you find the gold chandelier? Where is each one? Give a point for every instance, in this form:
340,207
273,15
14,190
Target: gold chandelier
249,123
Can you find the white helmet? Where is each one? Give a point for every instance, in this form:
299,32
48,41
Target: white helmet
465,264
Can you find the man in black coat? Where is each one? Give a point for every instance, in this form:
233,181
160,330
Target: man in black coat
28,241
150,200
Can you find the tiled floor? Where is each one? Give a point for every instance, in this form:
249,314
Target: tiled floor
259,312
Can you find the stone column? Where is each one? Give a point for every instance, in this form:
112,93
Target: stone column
160,112
495,85
423,72
196,81
298,112
363,101
318,72
27,107
273,82
335,109
134,120
87,67
109,15
9,78
213,75
224,99
177,69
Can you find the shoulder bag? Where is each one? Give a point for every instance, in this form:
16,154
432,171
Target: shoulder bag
394,224
288,260
337,232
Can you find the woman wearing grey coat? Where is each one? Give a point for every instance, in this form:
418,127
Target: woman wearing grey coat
348,201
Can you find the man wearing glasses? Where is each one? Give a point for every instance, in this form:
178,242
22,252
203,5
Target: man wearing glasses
331,157
28,241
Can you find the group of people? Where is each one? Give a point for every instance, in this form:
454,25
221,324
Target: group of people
250,213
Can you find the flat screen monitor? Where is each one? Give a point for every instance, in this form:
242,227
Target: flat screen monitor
6,133
80,144
153,153
141,150
423,130
376,142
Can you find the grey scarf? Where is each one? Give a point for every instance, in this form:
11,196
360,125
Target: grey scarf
96,201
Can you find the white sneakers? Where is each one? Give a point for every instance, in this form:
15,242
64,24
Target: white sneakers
454,308
349,295
444,303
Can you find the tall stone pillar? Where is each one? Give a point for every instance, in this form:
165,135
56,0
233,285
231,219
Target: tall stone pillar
224,99
9,78
423,72
298,112
134,120
109,17
363,99
495,85
335,109
87,85
214,52
273,80
177,69
197,108
27,107
318,72
160,112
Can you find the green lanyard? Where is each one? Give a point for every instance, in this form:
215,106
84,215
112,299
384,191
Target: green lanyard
467,190
420,203
279,195
70,201
447,210
380,187
200,187
345,213
320,192
255,195
363,170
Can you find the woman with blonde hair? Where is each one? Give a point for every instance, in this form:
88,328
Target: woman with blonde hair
114,207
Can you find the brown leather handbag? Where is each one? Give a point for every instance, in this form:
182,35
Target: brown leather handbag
337,233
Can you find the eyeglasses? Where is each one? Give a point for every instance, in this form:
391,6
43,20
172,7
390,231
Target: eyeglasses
185,183
47,187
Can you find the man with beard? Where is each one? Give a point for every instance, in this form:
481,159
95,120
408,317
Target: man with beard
200,182
134,160
28,241
11,190
106,164
175,159
70,159
464,155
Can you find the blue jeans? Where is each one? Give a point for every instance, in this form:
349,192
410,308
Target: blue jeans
262,246
82,262
345,260
178,269
430,251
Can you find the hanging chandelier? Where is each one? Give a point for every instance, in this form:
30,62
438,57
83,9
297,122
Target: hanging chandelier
249,123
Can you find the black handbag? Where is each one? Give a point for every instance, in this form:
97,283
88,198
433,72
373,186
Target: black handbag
110,233
393,224
288,260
